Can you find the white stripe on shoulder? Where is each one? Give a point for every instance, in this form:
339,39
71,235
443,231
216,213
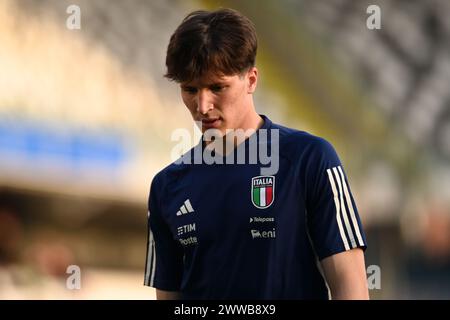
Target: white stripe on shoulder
350,207
151,259
152,277
336,202
343,210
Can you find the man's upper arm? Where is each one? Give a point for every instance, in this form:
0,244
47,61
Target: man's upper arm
334,224
333,221
164,262
167,295
345,274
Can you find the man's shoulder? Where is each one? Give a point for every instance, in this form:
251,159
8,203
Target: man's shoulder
294,141
171,172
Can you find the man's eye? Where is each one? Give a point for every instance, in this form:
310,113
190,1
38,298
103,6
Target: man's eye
217,88
190,90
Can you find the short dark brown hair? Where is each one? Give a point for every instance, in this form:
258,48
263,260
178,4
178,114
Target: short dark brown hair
219,42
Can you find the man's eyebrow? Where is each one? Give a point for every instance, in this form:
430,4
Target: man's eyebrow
217,83
207,85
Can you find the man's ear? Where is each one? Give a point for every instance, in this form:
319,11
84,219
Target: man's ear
252,76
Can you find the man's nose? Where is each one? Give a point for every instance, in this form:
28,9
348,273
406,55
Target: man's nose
204,102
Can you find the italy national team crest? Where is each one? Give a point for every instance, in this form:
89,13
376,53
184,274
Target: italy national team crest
263,191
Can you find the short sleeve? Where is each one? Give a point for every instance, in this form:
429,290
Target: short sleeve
164,258
333,221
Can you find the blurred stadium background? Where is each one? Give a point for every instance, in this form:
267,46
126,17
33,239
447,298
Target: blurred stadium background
86,120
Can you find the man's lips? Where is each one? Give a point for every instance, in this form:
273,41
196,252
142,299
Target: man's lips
209,120
210,123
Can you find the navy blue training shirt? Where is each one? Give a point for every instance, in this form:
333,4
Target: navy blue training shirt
225,231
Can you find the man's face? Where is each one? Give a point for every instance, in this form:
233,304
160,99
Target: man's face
220,102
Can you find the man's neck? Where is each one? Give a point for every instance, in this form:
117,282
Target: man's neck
255,121
237,136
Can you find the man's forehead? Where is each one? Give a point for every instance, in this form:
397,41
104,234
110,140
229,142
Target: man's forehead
209,79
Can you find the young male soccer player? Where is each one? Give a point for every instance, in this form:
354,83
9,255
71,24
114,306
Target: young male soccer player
227,230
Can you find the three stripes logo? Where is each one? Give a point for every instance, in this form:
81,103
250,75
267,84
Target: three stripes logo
345,214
263,191
185,208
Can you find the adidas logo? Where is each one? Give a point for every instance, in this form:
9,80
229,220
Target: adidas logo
185,208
